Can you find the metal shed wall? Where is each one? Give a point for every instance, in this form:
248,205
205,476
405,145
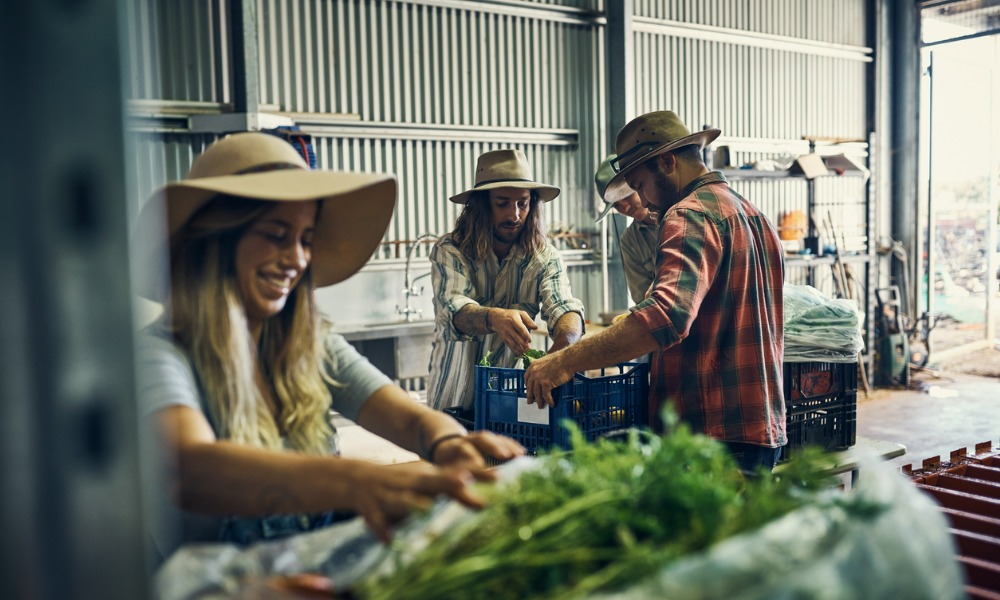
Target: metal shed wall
421,87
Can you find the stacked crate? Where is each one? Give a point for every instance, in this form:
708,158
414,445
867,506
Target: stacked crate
822,400
967,487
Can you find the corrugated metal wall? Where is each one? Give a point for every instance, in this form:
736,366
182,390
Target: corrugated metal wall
416,88
421,87
767,73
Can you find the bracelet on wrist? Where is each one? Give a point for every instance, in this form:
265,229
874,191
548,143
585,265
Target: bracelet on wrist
444,438
489,326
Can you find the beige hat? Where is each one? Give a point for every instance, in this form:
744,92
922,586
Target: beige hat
505,168
647,136
603,175
356,207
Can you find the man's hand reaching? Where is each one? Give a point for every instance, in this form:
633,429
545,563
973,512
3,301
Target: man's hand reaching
513,326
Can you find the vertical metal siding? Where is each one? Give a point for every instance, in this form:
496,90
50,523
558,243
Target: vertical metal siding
175,50
441,66
158,158
834,21
776,93
398,63
411,62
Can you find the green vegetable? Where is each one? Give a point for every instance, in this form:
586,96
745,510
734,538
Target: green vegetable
531,355
485,360
611,515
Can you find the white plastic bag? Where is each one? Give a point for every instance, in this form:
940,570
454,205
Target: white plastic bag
824,552
818,328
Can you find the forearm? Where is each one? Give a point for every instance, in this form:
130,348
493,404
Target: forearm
224,478
391,414
620,342
473,320
568,330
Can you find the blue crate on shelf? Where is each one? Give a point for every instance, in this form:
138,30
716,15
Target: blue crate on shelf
614,400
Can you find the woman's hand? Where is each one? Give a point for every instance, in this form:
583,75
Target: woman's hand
513,326
383,495
465,453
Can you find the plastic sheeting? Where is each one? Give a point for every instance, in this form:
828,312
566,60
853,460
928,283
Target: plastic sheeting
819,328
815,552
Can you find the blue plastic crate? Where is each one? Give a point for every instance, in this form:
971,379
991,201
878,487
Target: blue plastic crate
615,400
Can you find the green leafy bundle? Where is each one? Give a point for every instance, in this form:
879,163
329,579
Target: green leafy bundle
531,355
606,517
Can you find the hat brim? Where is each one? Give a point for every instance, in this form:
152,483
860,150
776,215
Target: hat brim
607,210
546,193
618,188
354,215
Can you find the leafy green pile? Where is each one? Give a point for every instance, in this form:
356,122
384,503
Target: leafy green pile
613,514
531,355
526,358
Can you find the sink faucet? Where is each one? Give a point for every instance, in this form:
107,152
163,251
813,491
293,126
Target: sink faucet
410,288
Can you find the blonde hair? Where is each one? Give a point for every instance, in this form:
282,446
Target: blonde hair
208,319
473,232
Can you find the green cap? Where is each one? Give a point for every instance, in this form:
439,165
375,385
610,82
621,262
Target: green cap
604,175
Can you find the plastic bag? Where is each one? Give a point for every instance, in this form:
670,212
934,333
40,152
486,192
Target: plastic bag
818,328
345,552
823,552
814,552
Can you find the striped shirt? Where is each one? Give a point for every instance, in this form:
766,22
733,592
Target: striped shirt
716,311
520,281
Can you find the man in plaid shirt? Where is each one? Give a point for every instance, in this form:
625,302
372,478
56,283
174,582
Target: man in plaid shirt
714,317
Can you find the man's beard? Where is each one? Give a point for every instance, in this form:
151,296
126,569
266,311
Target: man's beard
505,235
669,195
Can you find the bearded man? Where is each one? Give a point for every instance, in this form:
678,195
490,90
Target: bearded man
492,275
714,317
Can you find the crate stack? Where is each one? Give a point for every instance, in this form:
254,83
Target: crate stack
967,488
821,400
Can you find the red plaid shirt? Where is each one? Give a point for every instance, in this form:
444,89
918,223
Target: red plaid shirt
716,310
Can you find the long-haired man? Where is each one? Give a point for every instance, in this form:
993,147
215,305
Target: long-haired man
492,274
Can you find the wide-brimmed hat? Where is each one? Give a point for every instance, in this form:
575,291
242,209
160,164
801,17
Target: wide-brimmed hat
647,136
505,168
356,207
605,173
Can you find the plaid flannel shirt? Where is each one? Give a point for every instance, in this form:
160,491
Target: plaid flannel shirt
716,311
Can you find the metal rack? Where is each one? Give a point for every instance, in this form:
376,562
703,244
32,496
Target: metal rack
867,258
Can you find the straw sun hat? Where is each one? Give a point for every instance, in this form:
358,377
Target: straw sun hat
644,137
505,168
356,207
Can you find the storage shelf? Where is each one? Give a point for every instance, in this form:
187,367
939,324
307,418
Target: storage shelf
732,174
827,259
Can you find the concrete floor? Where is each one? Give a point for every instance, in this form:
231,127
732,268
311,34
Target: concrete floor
943,410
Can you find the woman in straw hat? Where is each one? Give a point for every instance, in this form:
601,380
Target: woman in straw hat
241,372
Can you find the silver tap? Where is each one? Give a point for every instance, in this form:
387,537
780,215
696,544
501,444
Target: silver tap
410,288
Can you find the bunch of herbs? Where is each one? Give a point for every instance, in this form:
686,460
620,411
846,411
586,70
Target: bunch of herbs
601,517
